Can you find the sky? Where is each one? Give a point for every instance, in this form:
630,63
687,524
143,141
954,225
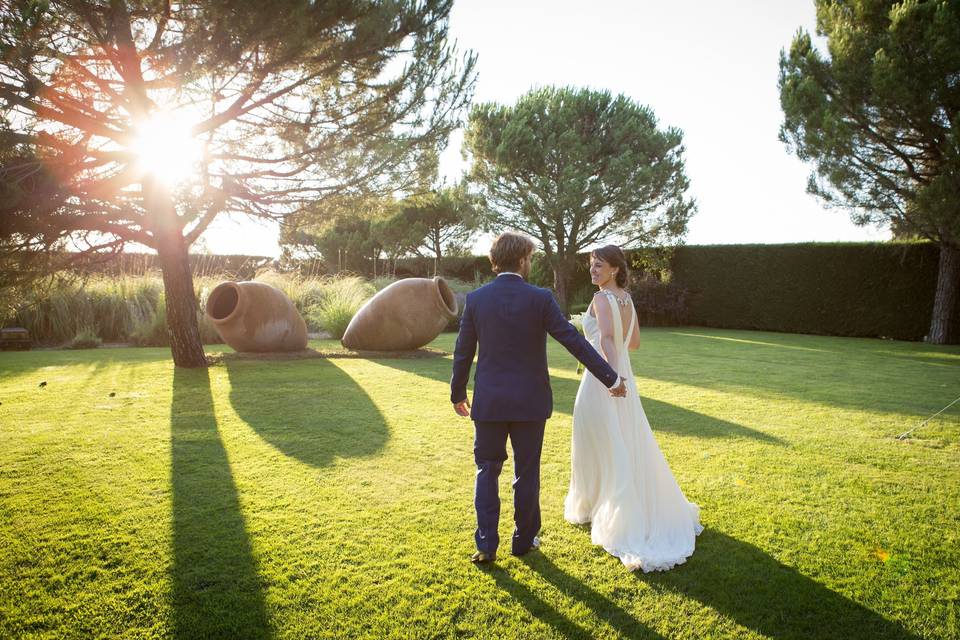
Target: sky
708,67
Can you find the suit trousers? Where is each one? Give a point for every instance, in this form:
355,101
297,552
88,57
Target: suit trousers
490,452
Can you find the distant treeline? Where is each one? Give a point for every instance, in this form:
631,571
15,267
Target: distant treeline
880,289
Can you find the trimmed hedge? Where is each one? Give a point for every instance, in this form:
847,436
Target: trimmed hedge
849,289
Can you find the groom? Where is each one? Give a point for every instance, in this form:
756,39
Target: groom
511,397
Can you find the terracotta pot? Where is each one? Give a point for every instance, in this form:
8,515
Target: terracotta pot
256,316
406,315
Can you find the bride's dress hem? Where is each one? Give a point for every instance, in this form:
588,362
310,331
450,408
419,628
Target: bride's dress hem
634,561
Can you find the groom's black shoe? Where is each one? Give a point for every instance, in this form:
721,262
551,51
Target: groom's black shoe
482,557
533,547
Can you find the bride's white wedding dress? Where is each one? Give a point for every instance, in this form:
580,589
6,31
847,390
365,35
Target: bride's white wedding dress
620,481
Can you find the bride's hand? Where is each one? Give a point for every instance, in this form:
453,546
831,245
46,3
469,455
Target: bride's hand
619,391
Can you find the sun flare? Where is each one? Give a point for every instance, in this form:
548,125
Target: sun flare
165,148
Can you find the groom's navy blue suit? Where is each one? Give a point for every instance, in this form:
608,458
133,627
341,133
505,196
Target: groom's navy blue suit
510,320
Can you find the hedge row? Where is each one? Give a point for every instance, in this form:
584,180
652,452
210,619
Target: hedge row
848,289
873,289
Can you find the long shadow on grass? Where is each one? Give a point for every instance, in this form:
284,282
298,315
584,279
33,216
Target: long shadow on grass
662,415
666,417
310,410
217,591
857,373
758,592
603,608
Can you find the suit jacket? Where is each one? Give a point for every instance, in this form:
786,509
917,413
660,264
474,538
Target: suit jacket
510,319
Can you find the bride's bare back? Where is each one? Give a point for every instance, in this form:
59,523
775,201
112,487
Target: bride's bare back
602,312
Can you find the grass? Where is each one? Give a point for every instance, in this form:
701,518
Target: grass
341,301
333,498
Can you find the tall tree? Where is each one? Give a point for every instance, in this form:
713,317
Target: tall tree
443,218
395,236
877,114
140,121
344,244
572,167
339,231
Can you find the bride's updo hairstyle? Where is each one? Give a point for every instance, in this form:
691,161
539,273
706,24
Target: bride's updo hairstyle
613,256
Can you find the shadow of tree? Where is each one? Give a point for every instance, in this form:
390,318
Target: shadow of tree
310,410
663,416
217,591
856,373
604,608
543,611
667,417
758,592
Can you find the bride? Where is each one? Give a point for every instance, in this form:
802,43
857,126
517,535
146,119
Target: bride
620,481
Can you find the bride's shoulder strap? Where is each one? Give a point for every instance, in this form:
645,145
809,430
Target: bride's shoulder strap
601,292
611,299
614,314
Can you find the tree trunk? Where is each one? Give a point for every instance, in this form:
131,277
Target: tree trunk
180,298
943,329
562,272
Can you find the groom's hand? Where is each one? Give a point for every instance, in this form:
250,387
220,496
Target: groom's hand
462,408
619,391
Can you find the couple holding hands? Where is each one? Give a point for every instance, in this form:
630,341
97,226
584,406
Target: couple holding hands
620,482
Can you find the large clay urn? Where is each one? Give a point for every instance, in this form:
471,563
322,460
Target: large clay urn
256,316
405,315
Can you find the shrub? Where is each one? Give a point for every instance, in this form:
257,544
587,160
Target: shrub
382,282
304,292
150,329
342,298
464,286
208,333
86,338
659,303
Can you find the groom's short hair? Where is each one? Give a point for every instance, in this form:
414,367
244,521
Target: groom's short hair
508,250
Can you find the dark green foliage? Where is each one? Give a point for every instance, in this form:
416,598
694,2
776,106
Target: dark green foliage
345,244
572,167
659,303
851,289
877,114
435,223
877,111
443,220
467,268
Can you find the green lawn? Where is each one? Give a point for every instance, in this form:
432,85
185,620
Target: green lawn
333,498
